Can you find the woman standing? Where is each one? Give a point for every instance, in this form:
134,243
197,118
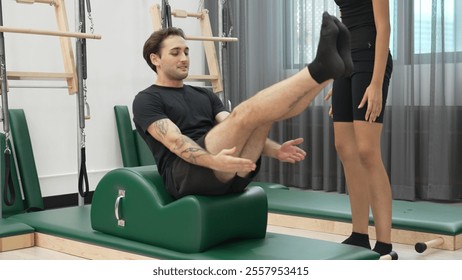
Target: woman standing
358,104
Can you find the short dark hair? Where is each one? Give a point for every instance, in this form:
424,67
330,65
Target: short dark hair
154,43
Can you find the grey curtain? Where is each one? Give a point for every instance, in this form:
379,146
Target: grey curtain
422,139
422,134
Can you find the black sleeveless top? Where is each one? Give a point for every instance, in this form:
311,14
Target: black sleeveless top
358,17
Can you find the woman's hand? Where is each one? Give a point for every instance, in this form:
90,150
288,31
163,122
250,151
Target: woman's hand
326,98
373,97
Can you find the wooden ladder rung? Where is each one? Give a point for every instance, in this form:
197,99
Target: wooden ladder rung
202,77
50,2
208,38
14,75
48,32
184,14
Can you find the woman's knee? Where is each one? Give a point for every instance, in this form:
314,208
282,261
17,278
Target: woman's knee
369,154
347,151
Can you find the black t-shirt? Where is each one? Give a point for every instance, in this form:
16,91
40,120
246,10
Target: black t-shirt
358,17
192,109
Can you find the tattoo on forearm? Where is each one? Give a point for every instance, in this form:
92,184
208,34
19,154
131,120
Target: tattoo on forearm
180,143
161,127
190,149
193,154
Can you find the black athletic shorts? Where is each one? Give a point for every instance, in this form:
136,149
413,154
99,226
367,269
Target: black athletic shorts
348,92
188,179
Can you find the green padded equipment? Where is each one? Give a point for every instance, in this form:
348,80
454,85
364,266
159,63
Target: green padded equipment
135,151
18,203
266,185
145,156
74,223
12,228
318,205
419,216
25,159
126,137
424,216
133,203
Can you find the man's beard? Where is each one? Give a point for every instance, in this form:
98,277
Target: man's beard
179,76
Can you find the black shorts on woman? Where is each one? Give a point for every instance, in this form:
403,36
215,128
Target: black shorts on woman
348,92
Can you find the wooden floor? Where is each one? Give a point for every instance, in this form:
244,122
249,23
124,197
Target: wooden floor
405,252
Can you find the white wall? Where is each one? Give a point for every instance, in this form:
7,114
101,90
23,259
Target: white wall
116,72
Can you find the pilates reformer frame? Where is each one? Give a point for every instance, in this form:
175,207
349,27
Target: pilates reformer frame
75,75
407,229
70,74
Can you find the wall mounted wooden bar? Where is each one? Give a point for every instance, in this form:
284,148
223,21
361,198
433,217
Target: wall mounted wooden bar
49,33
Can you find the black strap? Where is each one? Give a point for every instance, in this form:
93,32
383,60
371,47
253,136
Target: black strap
166,14
83,174
9,194
88,6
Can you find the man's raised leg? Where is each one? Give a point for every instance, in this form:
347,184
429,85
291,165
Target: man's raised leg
291,96
344,50
283,99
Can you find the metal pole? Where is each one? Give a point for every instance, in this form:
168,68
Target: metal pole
220,28
220,46
81,63
5,116
226,25
6,119
80,71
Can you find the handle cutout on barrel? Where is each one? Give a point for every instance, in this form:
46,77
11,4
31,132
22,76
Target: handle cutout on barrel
120,221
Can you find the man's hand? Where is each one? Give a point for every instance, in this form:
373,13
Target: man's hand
225,161
289,152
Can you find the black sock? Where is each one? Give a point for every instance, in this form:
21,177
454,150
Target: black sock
358,239
344,47
382,248
327,64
